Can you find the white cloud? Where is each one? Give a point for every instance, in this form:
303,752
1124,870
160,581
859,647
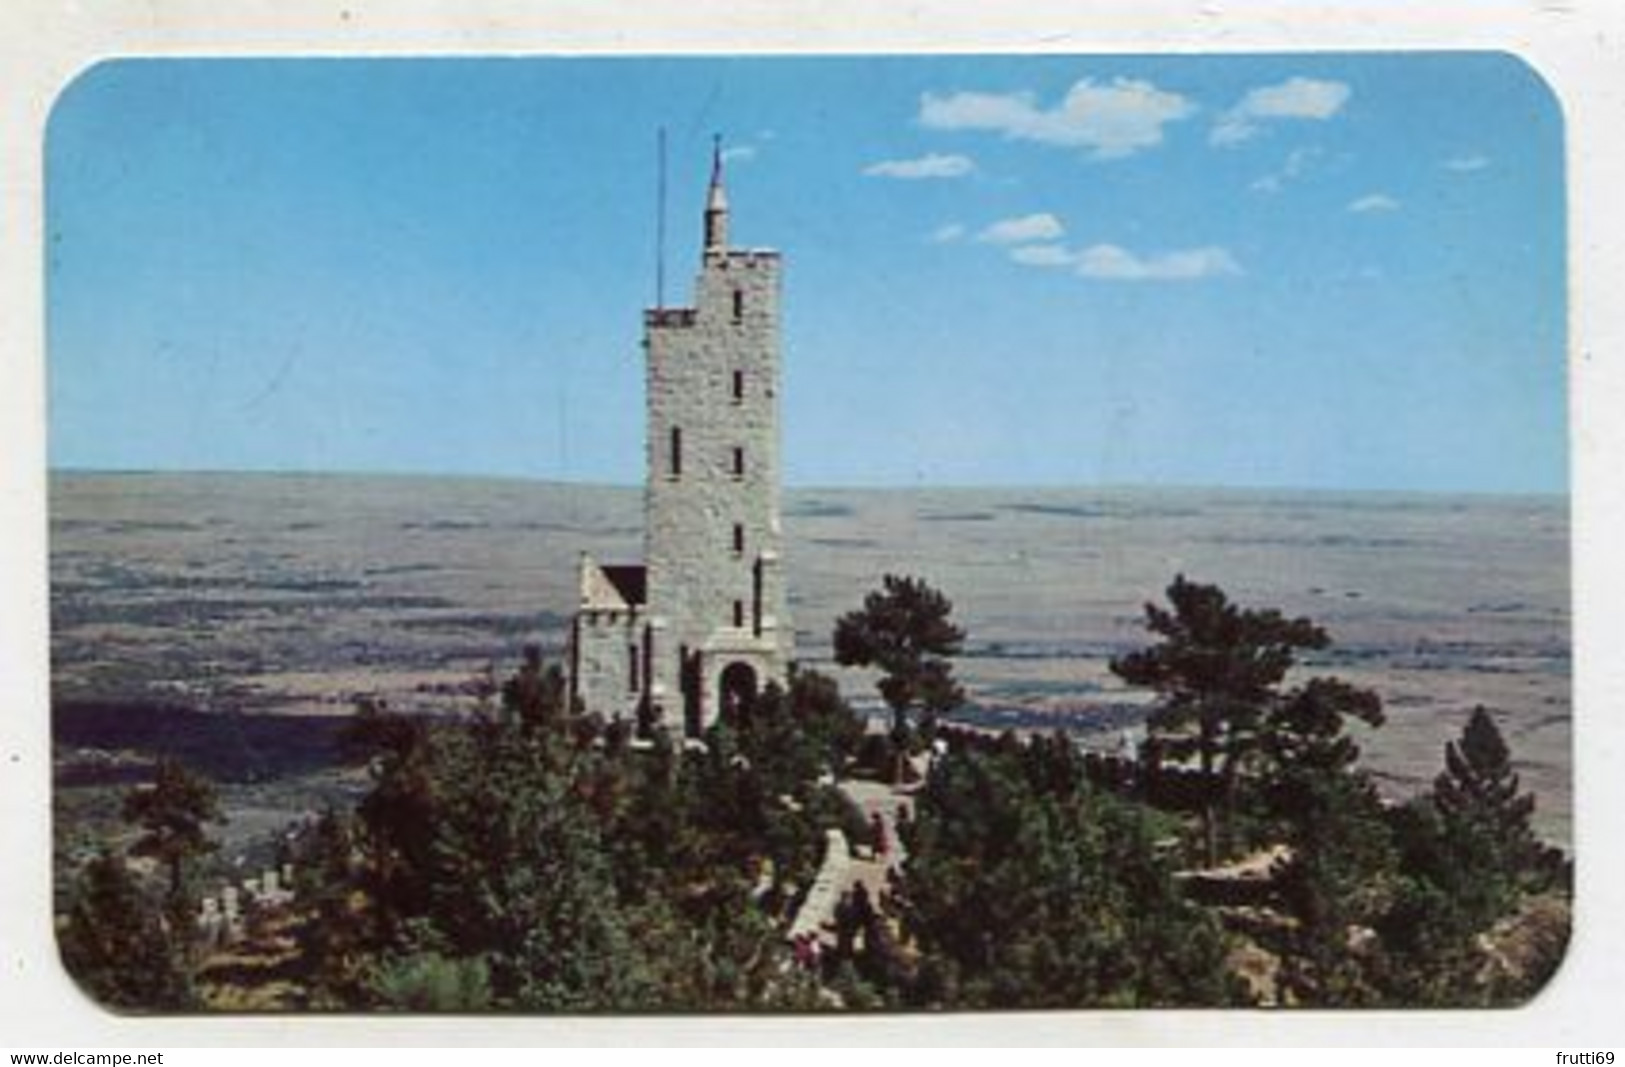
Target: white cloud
1110,263
1044,255
1297,98
1296,162
1466,164
739,153
1372,203
947,232
1023,230
929,166
1109,120
1293,99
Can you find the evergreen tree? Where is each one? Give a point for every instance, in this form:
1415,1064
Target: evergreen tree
905,630
1306,732
1334,886
1467,857
825,719
521,877
1442,902
118,946
335,940
536,696
1478,795
395,818
1337,877
172,814
793,738
650,833
1217,669
1025,889
771,740
531,859
1220,670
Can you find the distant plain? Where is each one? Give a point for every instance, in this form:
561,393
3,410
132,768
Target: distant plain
294,595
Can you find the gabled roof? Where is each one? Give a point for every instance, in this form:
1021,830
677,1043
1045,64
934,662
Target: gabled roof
612,587
630,580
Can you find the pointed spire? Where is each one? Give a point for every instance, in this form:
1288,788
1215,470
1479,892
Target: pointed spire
716,202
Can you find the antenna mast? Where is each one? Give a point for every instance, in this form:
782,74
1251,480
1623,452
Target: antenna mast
660,227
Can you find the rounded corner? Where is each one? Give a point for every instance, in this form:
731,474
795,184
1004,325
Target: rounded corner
73,86
81,986
1542,82
1558,952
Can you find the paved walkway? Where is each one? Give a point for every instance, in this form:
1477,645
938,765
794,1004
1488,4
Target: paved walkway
877,798
843,868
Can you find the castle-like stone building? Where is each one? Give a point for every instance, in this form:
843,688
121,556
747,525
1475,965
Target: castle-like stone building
701,626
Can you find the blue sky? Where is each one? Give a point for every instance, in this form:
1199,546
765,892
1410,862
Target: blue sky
1328,271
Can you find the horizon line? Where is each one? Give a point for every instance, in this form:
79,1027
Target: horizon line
313,472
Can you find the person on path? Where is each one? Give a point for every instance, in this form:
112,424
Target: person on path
862,908
846,925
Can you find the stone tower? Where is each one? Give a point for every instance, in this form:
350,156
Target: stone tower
702,627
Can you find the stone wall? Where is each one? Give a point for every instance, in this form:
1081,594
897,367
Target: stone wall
713,537
602,661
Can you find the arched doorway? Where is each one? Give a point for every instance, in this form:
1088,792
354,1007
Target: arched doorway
738,691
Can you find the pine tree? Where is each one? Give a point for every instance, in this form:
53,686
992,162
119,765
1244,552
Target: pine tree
519,875
118,946
1336,881
826,720
1478,794
1467,855
172,814
1217,670
525,865
1025,889
905,630
1334,885
395,818
536,695
335,942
